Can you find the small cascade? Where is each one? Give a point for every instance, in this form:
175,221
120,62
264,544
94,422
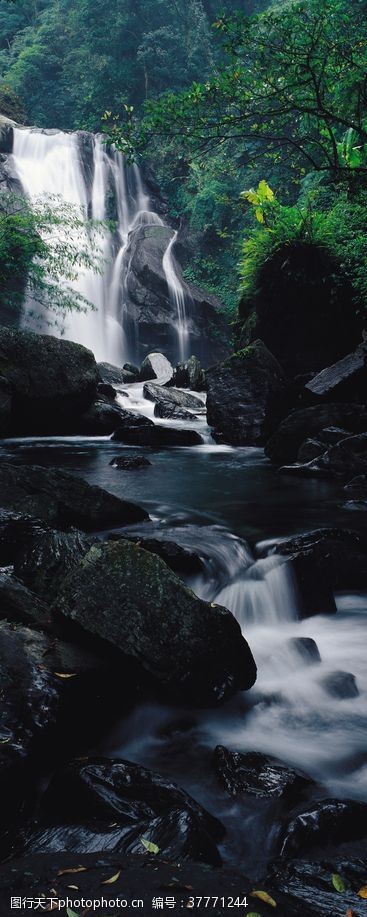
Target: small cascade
177,295
264,595
50,165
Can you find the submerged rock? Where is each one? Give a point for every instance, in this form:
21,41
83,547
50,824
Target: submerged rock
156,366
171,397
190,648
341,685
258,775
306,648
244,396
63,499
130,462
50,383
284,444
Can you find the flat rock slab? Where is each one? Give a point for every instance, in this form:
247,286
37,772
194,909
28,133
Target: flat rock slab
62,499
171,396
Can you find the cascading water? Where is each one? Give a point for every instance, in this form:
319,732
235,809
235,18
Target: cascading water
50,165
177,295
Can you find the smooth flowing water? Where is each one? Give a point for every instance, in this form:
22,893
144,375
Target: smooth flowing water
63,170
230,506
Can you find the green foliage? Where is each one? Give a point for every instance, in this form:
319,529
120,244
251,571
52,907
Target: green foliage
11,105
40,247
341,229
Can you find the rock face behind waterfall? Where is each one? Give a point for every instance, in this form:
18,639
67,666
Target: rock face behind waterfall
243,394
149,307
190,648
47,384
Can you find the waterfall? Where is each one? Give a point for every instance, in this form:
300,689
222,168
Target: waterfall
50,165
177,295
265,594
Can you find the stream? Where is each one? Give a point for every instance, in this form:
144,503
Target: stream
230,506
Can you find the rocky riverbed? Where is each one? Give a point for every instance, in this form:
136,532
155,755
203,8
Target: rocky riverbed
182,629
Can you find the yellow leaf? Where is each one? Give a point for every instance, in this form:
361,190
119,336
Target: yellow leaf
112,879
363,892
263,896
259,215
149,846
265,193
65,675
251,196
71,871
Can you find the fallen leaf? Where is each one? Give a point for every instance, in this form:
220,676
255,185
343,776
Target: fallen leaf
112,879
349,912
71,913
74,887
263,896
65,675
149,846
363,892
72,870
338,883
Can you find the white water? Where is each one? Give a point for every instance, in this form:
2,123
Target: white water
178,297
50,167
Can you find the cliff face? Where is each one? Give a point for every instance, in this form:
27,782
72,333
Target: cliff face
140,288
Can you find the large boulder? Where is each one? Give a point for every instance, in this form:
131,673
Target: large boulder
190,648
150,307
324,822
345,380
284,444
50,383
327,559
190,375
91,793
244,396
101,419
171,397
115,375
62,499
179,559
156,436
47,558
155,366
19,605
173,412
348,457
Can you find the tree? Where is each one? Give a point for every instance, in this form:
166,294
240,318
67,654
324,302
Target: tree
294,86
41,249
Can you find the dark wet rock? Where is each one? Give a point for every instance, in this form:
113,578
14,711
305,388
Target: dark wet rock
51,382
178,835
341,685
348,457
333,559
101,419
47,558
345,380
309,885
189,375
170,396
131,420
130,462
132,369
63,500
15,531
156,436
155,366
114,375
18,604
173,412
6,401
326,822
332,435
258,775
284,444
244,395
179,559
357,487
104,388
306,648
146,877
309,450
188,647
